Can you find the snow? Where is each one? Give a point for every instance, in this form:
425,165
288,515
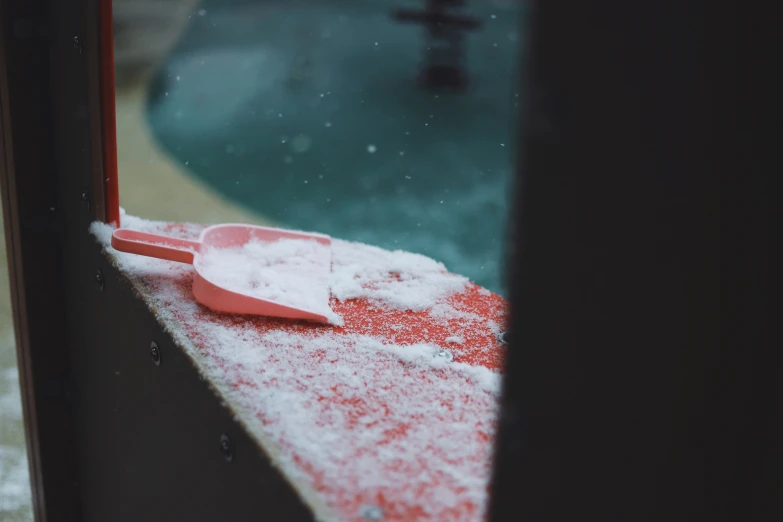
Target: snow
293,272
397,409
102,232
399,280
445,311
439,404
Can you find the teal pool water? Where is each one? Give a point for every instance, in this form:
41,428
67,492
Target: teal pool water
308,112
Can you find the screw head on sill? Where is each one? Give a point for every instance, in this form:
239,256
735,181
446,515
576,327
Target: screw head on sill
226,448
155,354
370,512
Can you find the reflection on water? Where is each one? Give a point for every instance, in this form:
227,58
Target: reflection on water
309,113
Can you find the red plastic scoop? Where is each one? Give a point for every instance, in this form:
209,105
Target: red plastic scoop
225,237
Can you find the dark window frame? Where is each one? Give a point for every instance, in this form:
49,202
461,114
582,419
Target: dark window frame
591,66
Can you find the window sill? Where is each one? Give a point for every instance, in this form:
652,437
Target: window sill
395,410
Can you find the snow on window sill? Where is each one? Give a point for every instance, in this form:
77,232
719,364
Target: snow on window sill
396,408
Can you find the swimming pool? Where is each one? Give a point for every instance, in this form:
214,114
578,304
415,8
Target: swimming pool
309,113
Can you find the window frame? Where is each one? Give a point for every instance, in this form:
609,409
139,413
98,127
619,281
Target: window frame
58,151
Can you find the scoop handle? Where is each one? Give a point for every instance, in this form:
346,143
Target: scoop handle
153,245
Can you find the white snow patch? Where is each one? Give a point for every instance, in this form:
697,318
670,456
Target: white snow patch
456,339
102,232
293,272
399,280
446,312
370,395
494,327
427,355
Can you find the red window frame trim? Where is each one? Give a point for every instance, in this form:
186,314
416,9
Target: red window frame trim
111,192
